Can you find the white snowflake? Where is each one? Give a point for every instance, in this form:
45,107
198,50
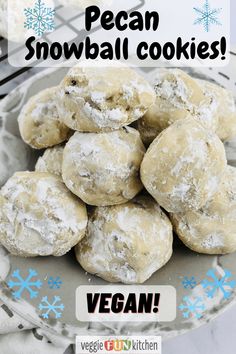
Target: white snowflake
207,16
216,284
40,18
192,307
55,307
24,284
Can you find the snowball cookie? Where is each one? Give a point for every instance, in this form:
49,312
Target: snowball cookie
51,161
226,109
98,99
183,166
103,169
39,216
177,96
212,229
39,122
126,243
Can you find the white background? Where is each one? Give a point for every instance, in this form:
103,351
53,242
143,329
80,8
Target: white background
166,308
176,20
233,22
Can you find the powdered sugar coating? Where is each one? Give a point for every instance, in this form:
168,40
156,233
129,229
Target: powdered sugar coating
225,109
51,161
103,168
103,99
177,96
212,229
183,167
39,122
39,216
126,243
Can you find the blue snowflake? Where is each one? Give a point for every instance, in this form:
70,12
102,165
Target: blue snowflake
207,16
24,284
192,307
55,307
216,284
189,283
40,18
54,283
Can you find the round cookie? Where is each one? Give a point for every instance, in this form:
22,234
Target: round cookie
103,169
183,166
96,99
39,122
39,216
226,109
212,229
177,96
51,161
126,243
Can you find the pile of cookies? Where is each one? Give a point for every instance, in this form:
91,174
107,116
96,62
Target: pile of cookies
126,162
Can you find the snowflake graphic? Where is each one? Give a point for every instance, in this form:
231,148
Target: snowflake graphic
54,283
189,283
192,307
25,284
40,18
207,16
216,284
55,307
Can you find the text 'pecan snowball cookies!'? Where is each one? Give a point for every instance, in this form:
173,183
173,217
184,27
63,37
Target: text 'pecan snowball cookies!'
183,166
103,169
212,229
177,96
51,161
226,109
126,243
103,99
39,216
39,122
